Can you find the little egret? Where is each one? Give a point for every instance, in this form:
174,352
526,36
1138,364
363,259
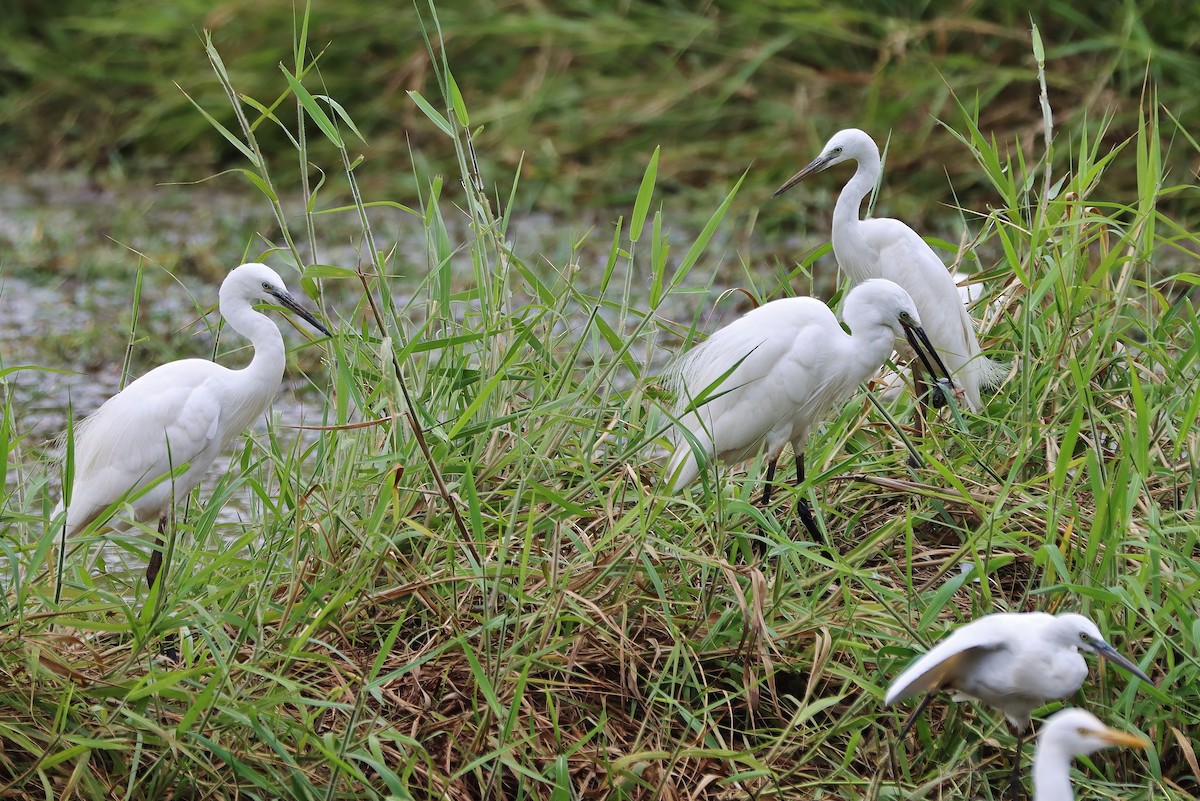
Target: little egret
1012,661
1065,735
180,413
767,378
887,248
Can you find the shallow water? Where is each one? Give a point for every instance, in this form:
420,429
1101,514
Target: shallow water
67,291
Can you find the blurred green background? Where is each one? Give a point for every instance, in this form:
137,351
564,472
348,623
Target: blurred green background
583,90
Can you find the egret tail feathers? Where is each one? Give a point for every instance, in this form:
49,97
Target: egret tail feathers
992,372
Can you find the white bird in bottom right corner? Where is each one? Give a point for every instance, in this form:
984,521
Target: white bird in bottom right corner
1065,735
1010,661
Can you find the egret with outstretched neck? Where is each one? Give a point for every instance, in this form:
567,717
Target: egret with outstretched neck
1065,735
766,379
887,248
161,433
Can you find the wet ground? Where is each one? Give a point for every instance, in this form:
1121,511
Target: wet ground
71,252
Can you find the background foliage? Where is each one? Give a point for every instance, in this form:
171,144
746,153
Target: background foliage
580,92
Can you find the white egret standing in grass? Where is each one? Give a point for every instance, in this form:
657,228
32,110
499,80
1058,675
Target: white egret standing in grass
767,378
887,248
180,413
1011,661
1065,735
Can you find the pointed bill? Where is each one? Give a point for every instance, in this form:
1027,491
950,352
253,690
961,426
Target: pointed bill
1114,737
816,165
1113,655
291,304
929,357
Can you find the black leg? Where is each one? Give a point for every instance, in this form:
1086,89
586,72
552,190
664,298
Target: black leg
1015,789
156,555
898,745
168,647
810,522
916,713
768,481
802,507
758,546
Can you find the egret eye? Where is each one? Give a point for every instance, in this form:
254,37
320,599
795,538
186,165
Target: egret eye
267,286
837,151
1083,635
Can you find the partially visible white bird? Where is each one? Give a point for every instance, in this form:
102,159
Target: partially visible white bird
1065,735
887,248
180,413
1011,661
767,378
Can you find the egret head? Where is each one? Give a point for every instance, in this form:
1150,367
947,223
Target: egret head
253,282
1081,633
1081,733
850,144
879,301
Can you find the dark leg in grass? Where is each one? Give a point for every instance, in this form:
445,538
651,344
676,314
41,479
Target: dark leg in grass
1015,790
168,648
767,482
916,713
802,507
156,555
908,724
758,546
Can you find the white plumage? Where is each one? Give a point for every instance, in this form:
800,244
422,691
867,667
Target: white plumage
181,413
886,248
1065,735
1011,661
785,365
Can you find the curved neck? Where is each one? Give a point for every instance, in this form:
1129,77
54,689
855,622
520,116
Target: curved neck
875,343
1052,774
846,233
266,367
871,342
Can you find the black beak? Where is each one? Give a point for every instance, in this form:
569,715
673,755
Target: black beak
920,343
291,304
1111,654
816,165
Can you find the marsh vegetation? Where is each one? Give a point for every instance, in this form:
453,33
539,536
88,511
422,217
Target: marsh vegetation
469,583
